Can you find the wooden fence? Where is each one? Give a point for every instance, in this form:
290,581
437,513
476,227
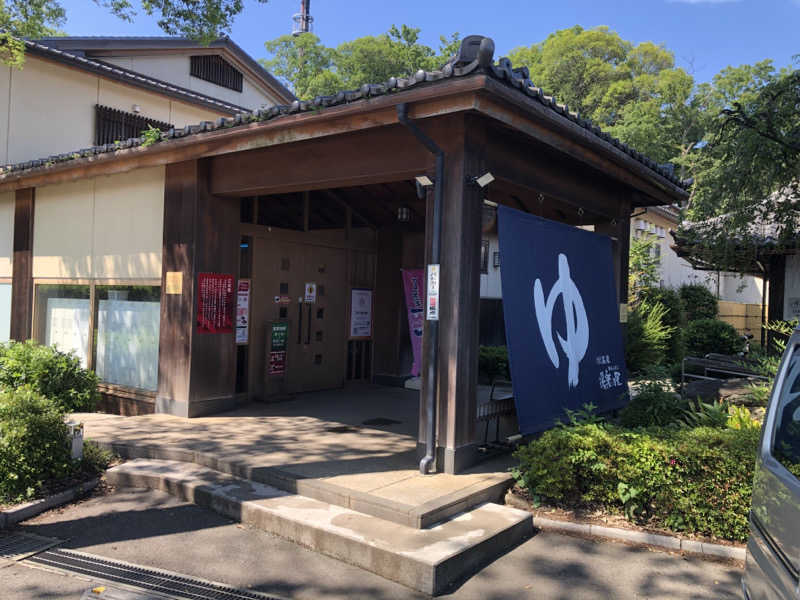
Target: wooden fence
746,318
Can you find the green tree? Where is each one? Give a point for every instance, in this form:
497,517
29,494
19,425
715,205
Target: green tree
204,20
633,91
312,69
26,19
752,150
304,64
643,266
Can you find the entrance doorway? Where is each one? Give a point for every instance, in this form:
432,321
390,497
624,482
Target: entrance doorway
302,286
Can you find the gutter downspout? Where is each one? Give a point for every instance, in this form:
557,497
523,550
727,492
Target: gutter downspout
432,358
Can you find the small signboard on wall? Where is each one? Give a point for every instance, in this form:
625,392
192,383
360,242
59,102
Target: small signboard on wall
360,313
278,339
215,303
243,311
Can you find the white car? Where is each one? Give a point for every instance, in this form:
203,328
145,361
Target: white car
772,570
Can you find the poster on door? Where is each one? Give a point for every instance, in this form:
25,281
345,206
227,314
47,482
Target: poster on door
360,313
215,303
414,287
242,311
278,339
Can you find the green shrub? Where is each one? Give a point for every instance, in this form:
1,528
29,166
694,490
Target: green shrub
698,302
33,444
652,405
711,335
647,336
56,375
695,480
674,317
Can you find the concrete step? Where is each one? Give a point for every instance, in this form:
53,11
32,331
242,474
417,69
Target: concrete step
395,506
428,560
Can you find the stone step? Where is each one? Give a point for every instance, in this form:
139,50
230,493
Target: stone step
428,560
490,487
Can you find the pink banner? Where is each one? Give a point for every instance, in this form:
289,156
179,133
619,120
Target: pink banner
414,286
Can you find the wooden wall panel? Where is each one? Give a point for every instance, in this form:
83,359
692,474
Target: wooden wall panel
201,234
22,280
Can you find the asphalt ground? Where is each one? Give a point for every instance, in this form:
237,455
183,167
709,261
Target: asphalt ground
153,529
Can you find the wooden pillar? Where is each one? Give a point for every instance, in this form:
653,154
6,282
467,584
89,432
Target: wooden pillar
619,230
22,277
197,372
389,303
459,297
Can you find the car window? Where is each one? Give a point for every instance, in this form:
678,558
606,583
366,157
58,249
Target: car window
786,444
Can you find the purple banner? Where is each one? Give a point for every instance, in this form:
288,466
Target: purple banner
414,286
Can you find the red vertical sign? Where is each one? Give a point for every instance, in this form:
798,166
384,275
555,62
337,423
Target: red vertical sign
214,303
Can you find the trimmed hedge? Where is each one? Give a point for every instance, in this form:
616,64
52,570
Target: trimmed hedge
33,444
56,375
711,335
694,480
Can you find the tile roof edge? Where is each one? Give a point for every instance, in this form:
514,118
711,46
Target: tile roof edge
467,62
132,77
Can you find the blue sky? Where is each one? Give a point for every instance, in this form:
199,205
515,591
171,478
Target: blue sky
705,35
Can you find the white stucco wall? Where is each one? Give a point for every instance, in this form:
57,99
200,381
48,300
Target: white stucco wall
675,271
491,285
6,233
105,227
175,69
791,290
47,108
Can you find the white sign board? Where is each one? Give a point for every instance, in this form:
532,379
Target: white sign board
360,313
243,311
432,302
311,293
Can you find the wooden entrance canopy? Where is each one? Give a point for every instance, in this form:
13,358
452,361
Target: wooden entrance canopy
485,116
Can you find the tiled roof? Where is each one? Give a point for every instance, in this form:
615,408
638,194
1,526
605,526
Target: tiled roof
130,77
475,56
763,230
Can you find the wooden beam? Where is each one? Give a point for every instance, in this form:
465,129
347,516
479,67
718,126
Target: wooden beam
530,116
22,277
337,197
389,154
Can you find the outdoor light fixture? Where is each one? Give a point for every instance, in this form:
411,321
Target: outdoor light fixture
484,179
403,214
423,182
136,108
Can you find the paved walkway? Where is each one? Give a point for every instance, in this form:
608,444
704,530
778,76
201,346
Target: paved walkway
155,530
318,438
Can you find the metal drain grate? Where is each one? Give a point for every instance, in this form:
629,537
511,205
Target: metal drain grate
153,580
17,546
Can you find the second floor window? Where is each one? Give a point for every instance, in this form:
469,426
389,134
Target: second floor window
112,125
216,69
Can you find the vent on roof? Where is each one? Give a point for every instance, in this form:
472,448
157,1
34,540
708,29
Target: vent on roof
216,69
112,125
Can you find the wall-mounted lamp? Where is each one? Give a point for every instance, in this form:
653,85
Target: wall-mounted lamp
403,214
423,182
484,179
136,108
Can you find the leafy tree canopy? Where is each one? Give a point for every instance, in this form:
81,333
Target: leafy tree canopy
26,19
204,20
635,92
307,66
